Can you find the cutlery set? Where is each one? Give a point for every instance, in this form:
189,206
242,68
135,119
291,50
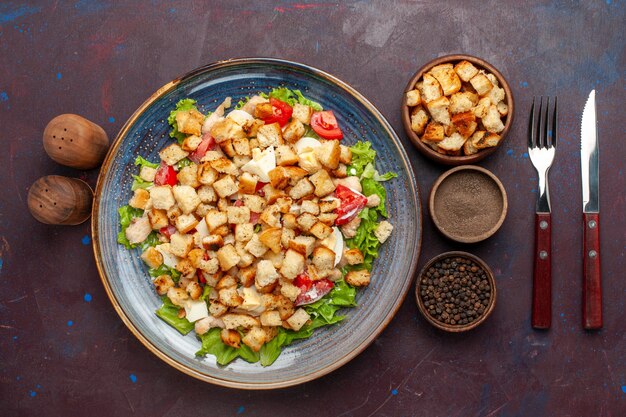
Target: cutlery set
542,145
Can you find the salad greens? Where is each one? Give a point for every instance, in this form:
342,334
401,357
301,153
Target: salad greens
164,270
139,182
127,214
182,105
169,314
292,97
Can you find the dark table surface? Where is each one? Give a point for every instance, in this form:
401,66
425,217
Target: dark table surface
63,349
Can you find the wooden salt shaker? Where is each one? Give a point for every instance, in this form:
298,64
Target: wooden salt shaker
74,141
60,200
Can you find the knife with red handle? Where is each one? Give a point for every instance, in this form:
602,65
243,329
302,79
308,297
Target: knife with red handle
592,281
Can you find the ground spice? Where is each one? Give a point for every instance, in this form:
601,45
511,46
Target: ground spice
468,204
455,291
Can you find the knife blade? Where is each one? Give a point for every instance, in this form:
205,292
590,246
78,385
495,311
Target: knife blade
589,150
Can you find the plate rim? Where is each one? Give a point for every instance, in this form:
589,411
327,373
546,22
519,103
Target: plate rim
98,254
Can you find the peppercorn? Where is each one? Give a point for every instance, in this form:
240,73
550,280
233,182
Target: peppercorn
455,291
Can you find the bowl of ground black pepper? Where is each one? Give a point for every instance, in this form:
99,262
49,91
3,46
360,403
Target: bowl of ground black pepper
468,204
456,291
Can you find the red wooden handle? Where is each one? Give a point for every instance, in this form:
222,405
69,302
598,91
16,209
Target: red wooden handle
592,285
542,277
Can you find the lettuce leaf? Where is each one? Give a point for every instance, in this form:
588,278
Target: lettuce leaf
292,97
365,239
127,214
185,162
139,182
212,345
370,187
169,314
164,270
362,154
139,161
242,102
183,105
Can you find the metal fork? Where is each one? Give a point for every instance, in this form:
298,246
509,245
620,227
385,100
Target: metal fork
542,140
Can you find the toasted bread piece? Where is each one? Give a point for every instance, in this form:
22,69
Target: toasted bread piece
465,70
481,84
462,102
324,185
492,121
438,109
465,123
434,132
419,120
293,131
413,98
190,121
286,156
448,79
487,140
358,278
452,143
271,238
270,135
430,88
328,154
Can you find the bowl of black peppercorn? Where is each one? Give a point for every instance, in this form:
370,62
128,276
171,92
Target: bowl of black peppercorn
456,291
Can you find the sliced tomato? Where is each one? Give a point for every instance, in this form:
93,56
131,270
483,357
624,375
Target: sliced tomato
317,290
303,282
201,277
352,202
281,112
167,231
165,175
325,124
207,144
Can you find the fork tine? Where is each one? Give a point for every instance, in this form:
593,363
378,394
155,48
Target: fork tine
540,126
555,123
531,127
547,133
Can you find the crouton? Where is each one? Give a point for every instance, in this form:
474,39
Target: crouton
244,232
308,206
247,258
173,213
152,257
225,187
251,128
196,256
238,215
228,148
465,123
302,113
254,202
293,264
302,244
140,199
230,297
298,319
345,154
341,171
353,256
271,238
327,206
203,208
286,235
272,194
433,133
419,120
185,268
180,244
308,161
173,154
265,274
306,221
247,275
147,173
465,70
247,183
320,230
270,135
289,220
212,156
383,231
206,174
158,218
256,247
462,102
217,309
279,178
448,79
223,230
215,219
492,121
241,160
324,185
228,257
431,89
241,146
206,194
271,216
186,197
302,189
293,131
189,121
186,222
162,197
285,156
231,338
255,338
191,143
226,281
469,148
327,218
177,296
328,154
503,109
288,290
224,166
263,110
438,109
271,318
189,176
486,140
481,84
323,258
233,321
496,95
359,278
412,98
225,129
284,204
452,143
162,284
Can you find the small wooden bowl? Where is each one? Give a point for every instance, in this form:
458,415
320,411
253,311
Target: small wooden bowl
486,218
454,328
76,142
60,200
451,159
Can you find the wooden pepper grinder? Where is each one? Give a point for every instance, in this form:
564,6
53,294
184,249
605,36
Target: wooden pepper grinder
74,141
60,200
